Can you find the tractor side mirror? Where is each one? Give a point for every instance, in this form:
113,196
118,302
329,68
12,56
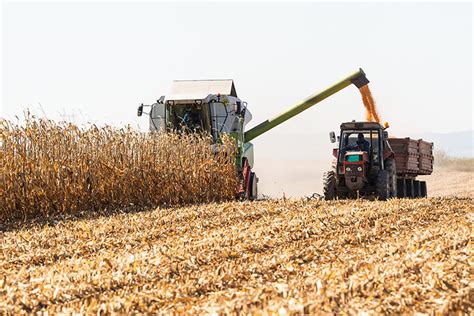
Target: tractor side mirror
385,135
140,110
332,137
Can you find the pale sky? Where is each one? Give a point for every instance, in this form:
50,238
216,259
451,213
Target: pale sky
98,61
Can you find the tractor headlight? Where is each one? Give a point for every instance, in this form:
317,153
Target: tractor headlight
348,169
359,168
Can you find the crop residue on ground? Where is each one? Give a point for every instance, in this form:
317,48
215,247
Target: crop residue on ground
283,256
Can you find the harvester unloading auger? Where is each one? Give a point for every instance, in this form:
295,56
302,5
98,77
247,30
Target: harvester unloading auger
212,106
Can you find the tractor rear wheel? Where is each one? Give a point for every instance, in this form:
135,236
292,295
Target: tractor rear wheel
329,185
382,185
392,176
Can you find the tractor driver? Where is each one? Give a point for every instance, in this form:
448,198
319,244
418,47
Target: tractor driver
362,143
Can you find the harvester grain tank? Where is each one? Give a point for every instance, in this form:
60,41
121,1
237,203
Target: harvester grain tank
370,163
213,107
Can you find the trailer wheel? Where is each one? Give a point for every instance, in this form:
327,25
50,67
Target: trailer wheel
392,175
382,185
329,185
401,188
423,189
409,188
416,189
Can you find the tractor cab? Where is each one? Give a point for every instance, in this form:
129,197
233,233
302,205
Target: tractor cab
361,143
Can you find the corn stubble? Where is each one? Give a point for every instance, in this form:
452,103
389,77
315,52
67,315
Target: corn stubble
268,257
57,168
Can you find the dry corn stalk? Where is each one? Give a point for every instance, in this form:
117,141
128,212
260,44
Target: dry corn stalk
49,168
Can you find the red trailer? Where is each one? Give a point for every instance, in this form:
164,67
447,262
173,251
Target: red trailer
412,158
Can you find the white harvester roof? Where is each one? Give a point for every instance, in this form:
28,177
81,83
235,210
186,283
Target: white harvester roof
200,89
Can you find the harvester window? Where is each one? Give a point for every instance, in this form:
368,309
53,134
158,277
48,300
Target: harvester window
157,117
219,116
189,117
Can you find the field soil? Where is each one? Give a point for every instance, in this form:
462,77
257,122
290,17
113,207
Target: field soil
280,256
450,182
300,178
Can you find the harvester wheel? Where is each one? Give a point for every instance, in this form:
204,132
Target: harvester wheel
329,185
253,190
382,185
245,180
392,176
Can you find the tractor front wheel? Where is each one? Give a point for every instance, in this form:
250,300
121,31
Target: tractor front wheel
329,185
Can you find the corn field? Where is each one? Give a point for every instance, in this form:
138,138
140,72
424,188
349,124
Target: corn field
271,257
57,168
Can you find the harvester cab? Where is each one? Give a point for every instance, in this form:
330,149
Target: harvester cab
213,107
209,106
364,163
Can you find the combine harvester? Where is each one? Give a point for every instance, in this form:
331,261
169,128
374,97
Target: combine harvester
213,107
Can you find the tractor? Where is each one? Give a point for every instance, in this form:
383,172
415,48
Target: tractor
364,163
370,163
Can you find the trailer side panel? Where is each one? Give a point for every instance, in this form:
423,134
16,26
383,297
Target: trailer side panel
412,157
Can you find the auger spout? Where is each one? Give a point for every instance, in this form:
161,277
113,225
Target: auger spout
358,78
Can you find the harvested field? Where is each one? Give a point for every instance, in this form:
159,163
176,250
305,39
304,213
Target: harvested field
49,168
451,177
447,182
281,256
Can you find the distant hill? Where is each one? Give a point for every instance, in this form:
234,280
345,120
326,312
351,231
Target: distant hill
456,144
